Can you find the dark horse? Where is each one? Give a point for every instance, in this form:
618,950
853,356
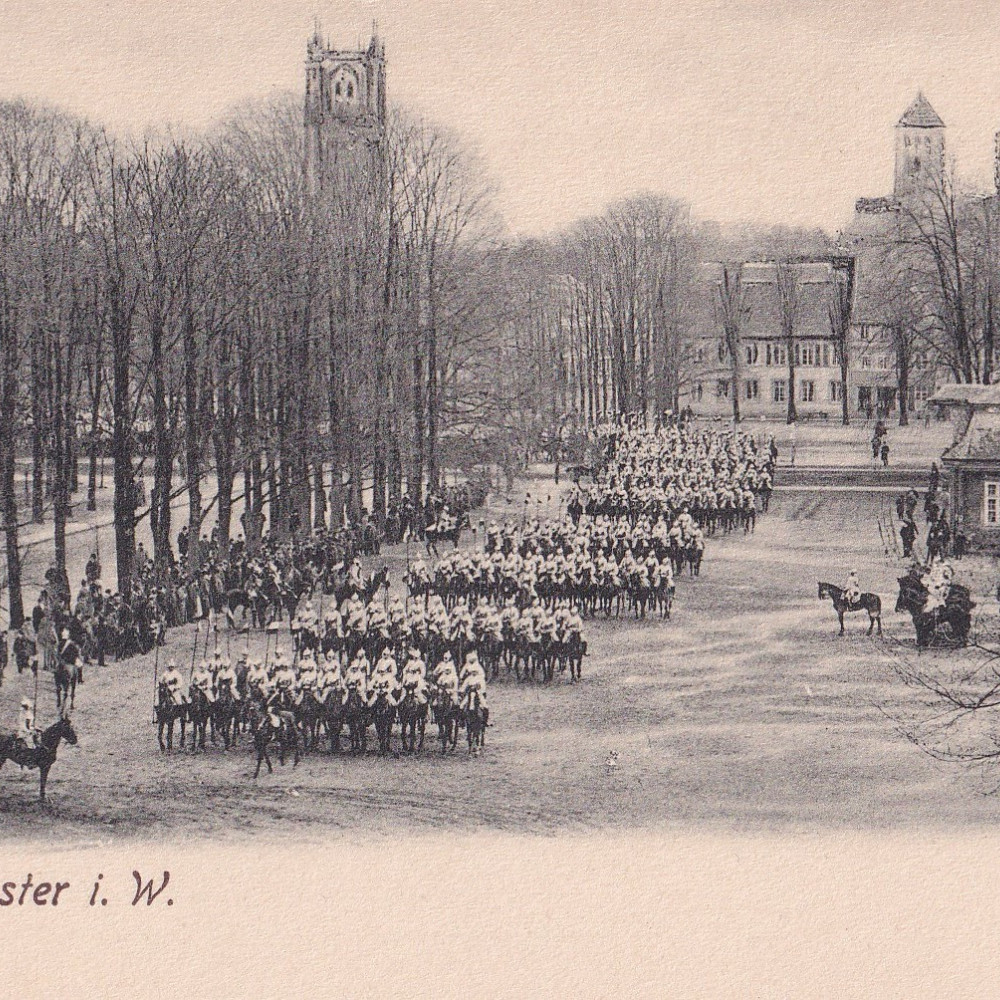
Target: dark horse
66,678
42,756
946,625
448,716
432,535
412,721
871,603
285,734
199,712
475,718
167,713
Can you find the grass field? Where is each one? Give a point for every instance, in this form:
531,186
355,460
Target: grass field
744,712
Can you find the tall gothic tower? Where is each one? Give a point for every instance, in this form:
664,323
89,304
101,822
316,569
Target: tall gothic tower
919,150
345,111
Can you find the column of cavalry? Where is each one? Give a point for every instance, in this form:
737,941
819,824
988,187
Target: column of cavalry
516,605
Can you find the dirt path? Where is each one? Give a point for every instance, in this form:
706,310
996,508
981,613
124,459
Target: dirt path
745,711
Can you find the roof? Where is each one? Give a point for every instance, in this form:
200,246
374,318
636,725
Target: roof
973,395
920,114
763,320
981,441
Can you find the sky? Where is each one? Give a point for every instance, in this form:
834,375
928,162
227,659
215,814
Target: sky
751,110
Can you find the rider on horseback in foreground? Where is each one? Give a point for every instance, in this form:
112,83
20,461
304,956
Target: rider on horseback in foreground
852,589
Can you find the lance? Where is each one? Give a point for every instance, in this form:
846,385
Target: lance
37,668
194,652
156,670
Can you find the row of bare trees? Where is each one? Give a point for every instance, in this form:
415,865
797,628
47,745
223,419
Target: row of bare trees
192,307
596,318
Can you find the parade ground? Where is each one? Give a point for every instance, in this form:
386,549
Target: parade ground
745,711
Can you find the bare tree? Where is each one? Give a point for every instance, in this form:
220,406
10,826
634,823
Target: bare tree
789,303
732,311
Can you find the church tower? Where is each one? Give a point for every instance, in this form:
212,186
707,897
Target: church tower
345,115
919,150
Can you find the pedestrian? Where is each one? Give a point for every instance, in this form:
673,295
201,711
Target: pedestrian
885,455
908,535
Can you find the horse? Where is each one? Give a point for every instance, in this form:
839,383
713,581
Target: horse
384,714
357,714
223,713
285,734
946,625
475,718
871,603
572,651
412,720
333,717
167,712
447,716
43,756
433,535
66,679
199,712
308,713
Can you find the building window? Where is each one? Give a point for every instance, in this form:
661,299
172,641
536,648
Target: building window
778,390
699,355
807,391
752,354
723,351
835,394
722,388
866,362
776,354
752,388
991,504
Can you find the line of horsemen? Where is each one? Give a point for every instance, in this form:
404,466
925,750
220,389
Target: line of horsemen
312,695
593,566
720,478
121,625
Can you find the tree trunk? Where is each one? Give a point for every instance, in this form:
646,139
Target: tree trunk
319,494
60,492
37,441
192,439
159,510
121,447
432,400
791,414
8,450
417,462
903,372
93,447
